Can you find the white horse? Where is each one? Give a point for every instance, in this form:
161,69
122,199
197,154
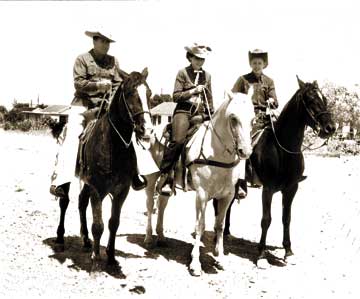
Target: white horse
213,158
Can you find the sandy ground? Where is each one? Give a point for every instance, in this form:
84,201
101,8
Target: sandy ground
325,238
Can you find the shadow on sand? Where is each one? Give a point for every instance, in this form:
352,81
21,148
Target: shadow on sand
81,258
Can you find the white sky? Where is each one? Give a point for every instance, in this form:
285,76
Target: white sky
314,39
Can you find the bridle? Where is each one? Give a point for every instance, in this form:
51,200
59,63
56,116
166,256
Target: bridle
314,117
131,116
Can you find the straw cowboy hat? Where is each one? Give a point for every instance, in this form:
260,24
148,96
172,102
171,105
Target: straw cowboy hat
199,51
99,34
257,53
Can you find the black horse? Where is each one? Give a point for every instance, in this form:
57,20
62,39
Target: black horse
111,161
277,158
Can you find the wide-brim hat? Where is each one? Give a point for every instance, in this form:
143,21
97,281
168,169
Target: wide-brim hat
257,53
200,51
99,34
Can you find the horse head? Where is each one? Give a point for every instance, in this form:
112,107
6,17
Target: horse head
236,113
136,95
318,117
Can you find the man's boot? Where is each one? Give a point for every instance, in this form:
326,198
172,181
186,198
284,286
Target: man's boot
240,189
139,182
171,155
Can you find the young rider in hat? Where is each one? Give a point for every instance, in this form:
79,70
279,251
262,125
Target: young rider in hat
95,74
264,92
193,95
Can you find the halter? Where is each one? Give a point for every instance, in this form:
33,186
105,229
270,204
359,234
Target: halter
131,117
314,118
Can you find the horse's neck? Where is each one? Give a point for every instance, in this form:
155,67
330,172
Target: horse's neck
290,126
218,141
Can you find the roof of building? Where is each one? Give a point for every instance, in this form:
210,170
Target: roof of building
165,108
51,110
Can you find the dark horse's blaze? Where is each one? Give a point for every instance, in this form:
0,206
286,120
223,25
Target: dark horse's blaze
111,162
278,160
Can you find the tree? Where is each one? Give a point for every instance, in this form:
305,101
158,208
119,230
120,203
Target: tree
158,99
344,104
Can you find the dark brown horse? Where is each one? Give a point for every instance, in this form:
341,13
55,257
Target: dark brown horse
111,161
277,157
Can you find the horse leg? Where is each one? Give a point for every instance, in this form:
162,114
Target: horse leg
288,196
150,190
223,206
97,227
114,221
63,204
267,194
84,198
201,201
227,219
162,203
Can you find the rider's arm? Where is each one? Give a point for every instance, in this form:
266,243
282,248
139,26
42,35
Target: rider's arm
272,94
180,94
81,82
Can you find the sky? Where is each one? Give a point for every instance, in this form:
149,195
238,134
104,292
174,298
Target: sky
317,40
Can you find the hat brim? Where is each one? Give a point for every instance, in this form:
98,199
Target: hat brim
98,34
199,55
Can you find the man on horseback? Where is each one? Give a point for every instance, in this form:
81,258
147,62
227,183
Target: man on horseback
264,92
193,95
96,76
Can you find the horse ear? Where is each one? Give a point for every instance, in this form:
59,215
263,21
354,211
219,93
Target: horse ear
301,83
145,73
315,83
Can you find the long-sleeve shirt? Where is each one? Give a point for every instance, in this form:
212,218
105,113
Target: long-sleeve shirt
87,71
186,81
264,89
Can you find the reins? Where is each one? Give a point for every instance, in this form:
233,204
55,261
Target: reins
206,161
131,117
317,124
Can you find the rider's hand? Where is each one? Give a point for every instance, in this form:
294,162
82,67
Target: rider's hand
198,89
272,102
103,85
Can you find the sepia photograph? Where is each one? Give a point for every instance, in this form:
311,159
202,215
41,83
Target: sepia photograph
180,149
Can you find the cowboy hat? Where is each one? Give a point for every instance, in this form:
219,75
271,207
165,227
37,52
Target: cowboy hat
257,53
98,34
199,51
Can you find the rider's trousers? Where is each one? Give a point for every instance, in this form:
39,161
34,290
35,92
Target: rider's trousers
67,152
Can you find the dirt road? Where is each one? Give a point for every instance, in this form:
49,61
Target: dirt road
325,237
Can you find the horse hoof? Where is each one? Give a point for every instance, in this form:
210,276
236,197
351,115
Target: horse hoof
219,265
262,263
148,243
195,271
290,259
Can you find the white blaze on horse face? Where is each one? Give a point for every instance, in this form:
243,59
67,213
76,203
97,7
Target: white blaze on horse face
242,107
142,94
